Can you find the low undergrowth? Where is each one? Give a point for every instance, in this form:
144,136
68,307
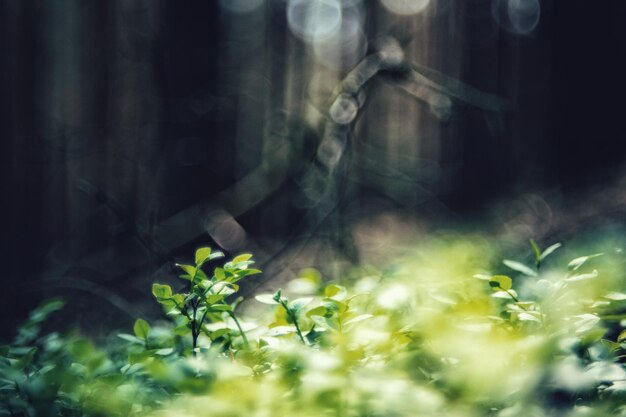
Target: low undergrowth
444,331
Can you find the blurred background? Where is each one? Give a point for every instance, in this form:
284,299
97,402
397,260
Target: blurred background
322,133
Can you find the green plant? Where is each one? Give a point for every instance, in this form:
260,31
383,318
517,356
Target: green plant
205,299
423,338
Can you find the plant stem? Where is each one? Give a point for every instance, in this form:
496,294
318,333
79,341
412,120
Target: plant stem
512,296
194,331
292,314
243,334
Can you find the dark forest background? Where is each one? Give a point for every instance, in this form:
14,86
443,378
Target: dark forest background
136,130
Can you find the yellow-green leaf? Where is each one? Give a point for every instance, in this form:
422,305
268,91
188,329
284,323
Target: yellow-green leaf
190,271
520,267
578,262
141,329
242,258
161,291
336,292
501,282
202,255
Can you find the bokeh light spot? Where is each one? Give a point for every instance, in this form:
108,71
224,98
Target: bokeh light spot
524,15
314,19
517,16
346,48
405,7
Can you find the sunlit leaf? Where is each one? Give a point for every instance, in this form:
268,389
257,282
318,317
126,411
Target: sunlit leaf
214,298
582,277
130,338
202,255
214,335
549,250
190,271
482,277
299,303
266,299
578,262
317,311
615,296
221,307
520,267
529,316
219,274
501,282
337,292
505,294
161,291
585,322
141,329
222,288
536,249
593,336
164,352
242,258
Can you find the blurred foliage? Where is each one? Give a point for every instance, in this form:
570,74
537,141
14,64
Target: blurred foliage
446,330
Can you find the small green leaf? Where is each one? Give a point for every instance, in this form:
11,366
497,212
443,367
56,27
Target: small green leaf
221,307
130,338
141,329
214,298
520,267
325,322
182,329
202,255
621,337
578,262
250,271
216,255
582,277
161,291
585,322
222,288
25,360
506,295
529,316
190,271
549,250
318,311
501,282
615,296
536,249
219,333
593,336
266,299
242,258
46,308
482,277
336,292
219,274
299,303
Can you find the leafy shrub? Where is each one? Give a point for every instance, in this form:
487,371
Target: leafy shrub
442,332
